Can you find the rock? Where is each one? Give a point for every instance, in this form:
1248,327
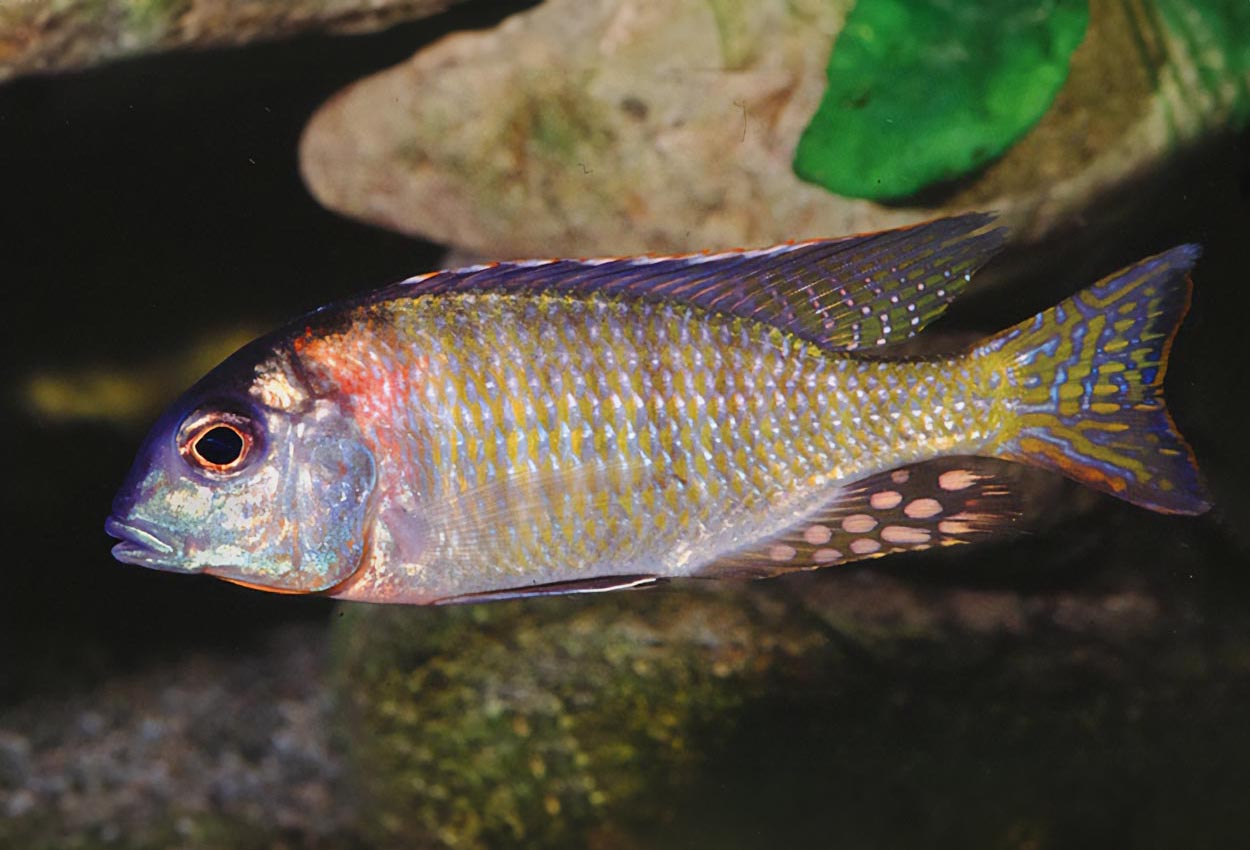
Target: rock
548,723
14,759
629,720
58,36
618,126
224,750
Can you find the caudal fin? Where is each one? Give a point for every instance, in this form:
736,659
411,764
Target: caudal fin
1087,383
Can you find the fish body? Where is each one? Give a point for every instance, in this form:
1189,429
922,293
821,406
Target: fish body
564,426
548,438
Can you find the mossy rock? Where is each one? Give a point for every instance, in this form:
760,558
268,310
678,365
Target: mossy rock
734,716
548,723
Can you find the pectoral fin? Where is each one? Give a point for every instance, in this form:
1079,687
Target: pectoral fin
603,584
478,519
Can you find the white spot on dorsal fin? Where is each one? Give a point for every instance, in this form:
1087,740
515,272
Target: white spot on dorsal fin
708,257
419,278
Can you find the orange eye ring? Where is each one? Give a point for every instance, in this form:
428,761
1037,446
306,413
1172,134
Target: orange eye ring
220,443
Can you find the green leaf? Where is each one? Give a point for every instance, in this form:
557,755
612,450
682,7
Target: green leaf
925,91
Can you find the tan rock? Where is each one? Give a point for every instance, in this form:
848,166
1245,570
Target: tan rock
616,126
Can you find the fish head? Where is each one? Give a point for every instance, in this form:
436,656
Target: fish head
252,476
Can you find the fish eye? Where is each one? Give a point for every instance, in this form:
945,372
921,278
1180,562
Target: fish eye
220,445
218,442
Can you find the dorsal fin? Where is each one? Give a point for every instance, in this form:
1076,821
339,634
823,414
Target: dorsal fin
841,294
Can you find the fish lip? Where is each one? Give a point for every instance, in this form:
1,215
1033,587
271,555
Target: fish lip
141,546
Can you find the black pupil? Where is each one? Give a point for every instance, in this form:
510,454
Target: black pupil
221,446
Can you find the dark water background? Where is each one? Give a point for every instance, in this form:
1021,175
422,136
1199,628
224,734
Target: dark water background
147,202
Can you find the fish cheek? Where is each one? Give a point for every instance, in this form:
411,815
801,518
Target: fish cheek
242,533
329,510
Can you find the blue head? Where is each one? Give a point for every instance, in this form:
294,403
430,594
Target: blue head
252,476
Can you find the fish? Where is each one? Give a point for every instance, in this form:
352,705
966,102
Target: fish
531,428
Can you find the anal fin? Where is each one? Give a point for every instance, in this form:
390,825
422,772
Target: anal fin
941,502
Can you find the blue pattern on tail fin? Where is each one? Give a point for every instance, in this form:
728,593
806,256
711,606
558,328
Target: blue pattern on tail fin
1087,383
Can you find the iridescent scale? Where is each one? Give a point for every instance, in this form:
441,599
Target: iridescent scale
553,436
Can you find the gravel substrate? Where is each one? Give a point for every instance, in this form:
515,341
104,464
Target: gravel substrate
213,750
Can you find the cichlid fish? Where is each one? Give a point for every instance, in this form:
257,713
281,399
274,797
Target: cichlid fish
562,426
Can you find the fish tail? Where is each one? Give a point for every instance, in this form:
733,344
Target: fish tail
1085,382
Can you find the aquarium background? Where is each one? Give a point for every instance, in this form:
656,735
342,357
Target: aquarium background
1084,685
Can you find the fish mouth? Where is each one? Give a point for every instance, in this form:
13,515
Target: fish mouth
141,546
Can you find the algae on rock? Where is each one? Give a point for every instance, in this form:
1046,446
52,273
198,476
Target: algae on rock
544,722
926,92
